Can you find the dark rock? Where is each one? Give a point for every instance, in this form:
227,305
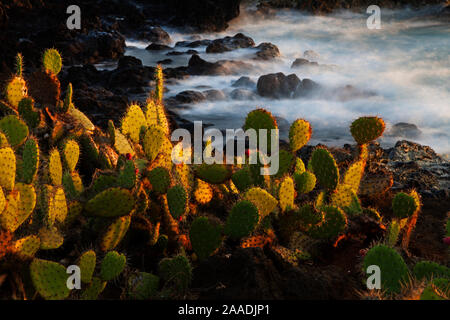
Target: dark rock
230,43
129,62
267,51
155,35
244,82
165,61
193,44
300,62
214,95
157,47
277,85
198,66
190,96
242,94
306,88
350,92
179,53
405,130
311,55
405,151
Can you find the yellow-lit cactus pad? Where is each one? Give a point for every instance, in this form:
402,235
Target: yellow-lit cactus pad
133,121
263,200
16,90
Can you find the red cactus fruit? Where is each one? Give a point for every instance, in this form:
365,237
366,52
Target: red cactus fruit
129,156
446,241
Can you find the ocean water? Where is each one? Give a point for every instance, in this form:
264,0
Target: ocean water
405,66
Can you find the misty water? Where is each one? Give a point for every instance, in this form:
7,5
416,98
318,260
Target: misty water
403,71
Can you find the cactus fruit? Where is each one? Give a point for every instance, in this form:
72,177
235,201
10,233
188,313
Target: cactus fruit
333,224
403,205
132,122
367,129
67,104
353,175
286,194
71,153
112,202
213,173
142,286
429,270
394,271
45,88
115,233
81,119
177,271
16,90
263,200
242,220
7,168
27,112
242,179
27,247
15,130
55,167
52,61
128,175
177,201
159,179
299,134
324,168
305,182
49,279
112,265
205,236
153,141
51,238
95,288
87,265
261,119
203,192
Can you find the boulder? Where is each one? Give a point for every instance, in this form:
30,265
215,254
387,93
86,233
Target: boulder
155,35
214,95
277,85
230,43
190,96
405,130
267,51
244,82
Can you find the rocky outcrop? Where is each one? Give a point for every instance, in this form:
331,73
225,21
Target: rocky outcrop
230,43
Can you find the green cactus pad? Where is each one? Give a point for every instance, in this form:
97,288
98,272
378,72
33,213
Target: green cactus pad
112,202
71,154
299,134
354,174
87,264
177,271
177,201
286,194
27,112
9,217
115,233
101,183
299,166
142,286
15,130
112,265
392,233
429,270
305,182
28,169
403,205
242,220
7,168
159,179
80,118
72,183
27,247
127,177
95,288
67,104
333,224
394,271
205,237
55,167
263,200
367,129
49,279
213,173
52,61
261,119
325,168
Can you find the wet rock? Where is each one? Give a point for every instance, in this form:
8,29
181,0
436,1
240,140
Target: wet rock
242,94
267,51
198,66
190,96
405,130
179,53
230,43
130,76
155,35
129,62
244,82
306,88
300,62
157,47
193,44
214,95
277,85
405,151
165,61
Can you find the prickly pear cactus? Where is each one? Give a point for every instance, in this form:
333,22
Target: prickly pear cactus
16,90
28,169
325,168
27,247
142,286
242,220
112,202
128,175
203,192
354,174
261,119
367,129
159,179
133,122
332,225
177,271
15,130
112,265
28,113
55,167
115,233
242,179
177,201
205,237
49,278
95,288
263,200
67,103
153,141
213,173
7,168
403,205
80,118
52,61
87,265
305,182
71,154
286,194
299,134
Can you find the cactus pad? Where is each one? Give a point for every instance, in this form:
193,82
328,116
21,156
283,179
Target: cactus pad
154,139
112,202
261,119
286,194
27,247
81,119
305,182
263,200
112,265
51,238
16,90
27,112
333,224
142,286
71,154
115,233
367,129
205,237
87,265
133,122
299,134
213,173
177,271
15,130
159,179
52,61
50,279
7,168
325,168
177,201
242,220
203,192
403,205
